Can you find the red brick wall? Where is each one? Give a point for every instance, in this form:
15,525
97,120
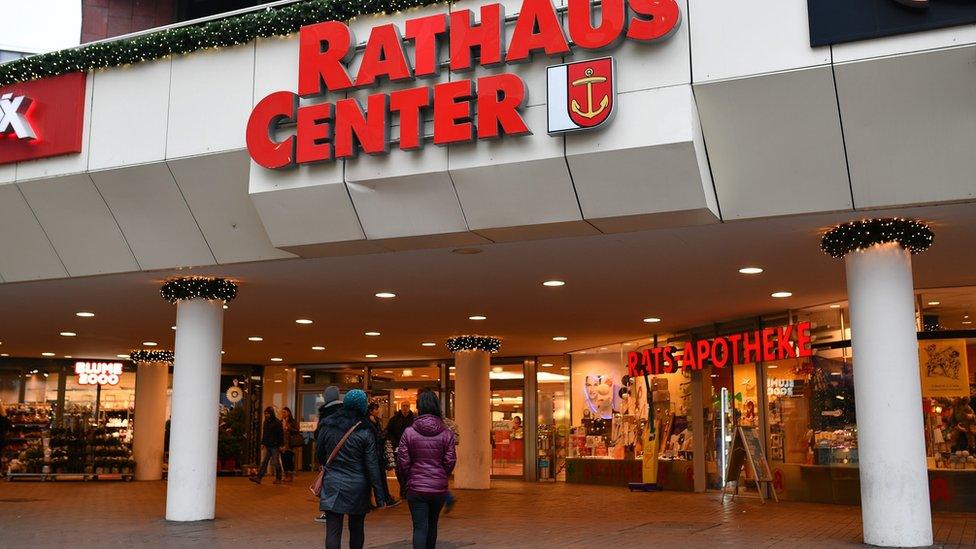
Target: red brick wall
107,18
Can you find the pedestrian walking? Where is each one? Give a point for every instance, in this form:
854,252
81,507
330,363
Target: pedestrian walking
272,440
425,458
331,404
347,448
293,440
402,419
386,462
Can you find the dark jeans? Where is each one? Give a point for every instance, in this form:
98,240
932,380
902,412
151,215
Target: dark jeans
288,461
333,531
425,510
272,455
402,482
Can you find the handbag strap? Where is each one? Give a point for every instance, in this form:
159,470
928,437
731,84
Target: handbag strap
342,442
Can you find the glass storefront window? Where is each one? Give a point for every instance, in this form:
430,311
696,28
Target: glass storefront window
555,416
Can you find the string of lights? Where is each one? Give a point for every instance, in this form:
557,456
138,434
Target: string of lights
151,355
914,236
203,287
474,343
230,31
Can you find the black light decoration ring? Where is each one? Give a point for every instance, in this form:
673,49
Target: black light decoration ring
474,343
151,355
198,287
914,236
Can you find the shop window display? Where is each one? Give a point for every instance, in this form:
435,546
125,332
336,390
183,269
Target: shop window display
555,416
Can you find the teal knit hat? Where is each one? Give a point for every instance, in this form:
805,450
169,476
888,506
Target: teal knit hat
355,400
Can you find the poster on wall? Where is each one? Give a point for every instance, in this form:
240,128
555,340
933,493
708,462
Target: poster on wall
943,368
600,395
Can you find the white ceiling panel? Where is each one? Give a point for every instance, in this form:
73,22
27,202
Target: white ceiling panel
130,106
275,65
25,251
514,181
80,225
215,187
910,127
644,163
8,173
210,100
734,39
68,163
774,144
154,216
408,205
300,212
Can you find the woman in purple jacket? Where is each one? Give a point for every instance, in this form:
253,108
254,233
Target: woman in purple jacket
425,458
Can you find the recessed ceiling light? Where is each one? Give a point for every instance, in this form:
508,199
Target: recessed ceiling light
303,321
222,352
68,356
372,334
172,327
4,354
68,334
150,343
564,367
226,307
652,319
122,356
275,359
560,338
47,354
965,316
318,348
371,355
466,251
452,368
935,303
967,321
428,344
424,375
781,294
546,364
477,317
750,270
387,371
85,314
385,295
554,283
255,338
835,306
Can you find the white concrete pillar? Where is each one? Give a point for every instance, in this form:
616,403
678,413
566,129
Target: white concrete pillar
472,413
894,477
192,481
152,379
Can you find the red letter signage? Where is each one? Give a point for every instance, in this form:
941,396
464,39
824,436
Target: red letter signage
42,118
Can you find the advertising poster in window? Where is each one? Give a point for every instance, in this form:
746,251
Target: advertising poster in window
943,368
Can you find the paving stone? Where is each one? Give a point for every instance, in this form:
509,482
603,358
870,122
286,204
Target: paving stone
512,514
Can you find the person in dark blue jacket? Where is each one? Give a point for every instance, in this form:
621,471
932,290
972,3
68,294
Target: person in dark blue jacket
352,475
272,440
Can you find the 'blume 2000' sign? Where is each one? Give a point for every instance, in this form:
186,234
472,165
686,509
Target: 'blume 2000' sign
463,110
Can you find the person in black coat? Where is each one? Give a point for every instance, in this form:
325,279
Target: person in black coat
272,440
402,419
352,475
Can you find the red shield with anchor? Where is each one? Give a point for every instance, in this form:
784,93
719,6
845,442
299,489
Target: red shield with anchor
590,91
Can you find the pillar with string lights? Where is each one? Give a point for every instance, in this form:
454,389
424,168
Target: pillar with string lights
472,408
877,254
152,379
192,478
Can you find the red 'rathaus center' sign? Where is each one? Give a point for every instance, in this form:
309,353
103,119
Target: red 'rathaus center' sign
486,107
768,344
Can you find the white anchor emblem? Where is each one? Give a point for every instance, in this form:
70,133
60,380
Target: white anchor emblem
13,116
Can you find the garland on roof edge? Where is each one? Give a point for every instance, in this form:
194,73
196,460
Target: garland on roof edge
230,31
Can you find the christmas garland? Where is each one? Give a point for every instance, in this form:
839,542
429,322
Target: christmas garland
151,355
914,236
474,343
203,287
230,31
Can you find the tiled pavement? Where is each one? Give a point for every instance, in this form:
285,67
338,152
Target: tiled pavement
512,514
